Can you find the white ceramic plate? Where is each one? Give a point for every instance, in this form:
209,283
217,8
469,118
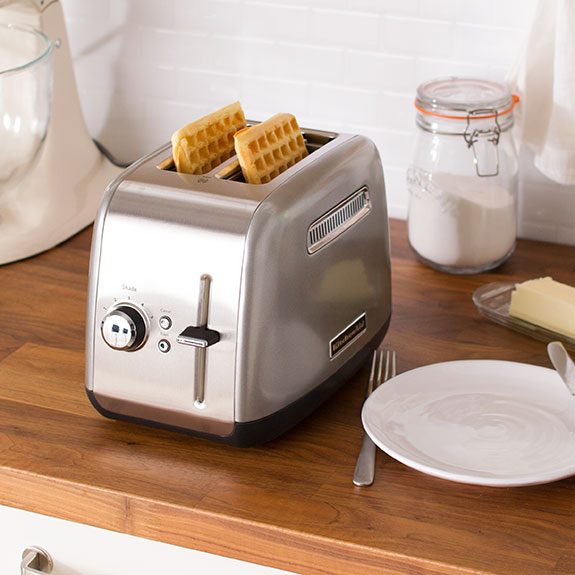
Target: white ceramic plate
483,422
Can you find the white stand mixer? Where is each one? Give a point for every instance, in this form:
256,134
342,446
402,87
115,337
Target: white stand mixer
63,189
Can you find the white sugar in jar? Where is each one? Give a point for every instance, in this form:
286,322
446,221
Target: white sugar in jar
462,183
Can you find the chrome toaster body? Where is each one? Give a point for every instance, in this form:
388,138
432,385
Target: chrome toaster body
238,308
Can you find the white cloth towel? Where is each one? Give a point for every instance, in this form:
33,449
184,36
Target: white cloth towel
544,79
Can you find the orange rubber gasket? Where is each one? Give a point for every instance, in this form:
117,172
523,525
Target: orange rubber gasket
514,101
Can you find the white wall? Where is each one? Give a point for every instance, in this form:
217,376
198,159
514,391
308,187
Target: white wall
146,67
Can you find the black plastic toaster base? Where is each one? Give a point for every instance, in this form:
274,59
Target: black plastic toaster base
247,434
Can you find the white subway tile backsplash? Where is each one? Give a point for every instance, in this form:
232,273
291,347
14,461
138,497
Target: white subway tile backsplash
433,68
277,21
393,146
396,146
396,111
438,9
158,46
374,70
263,97
145,68
398,7
506,14
498,46
342,104
301,62
96,104
218,52
393,7
131,75
174,115
251,56
203,87
345,28
512,15
536,230
396,191
431,38
477,12
223,16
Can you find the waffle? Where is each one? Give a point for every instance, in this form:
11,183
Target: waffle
266,150
204,144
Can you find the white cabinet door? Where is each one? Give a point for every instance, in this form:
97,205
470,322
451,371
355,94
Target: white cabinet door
83,550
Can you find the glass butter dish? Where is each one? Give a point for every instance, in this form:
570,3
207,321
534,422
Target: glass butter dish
493,301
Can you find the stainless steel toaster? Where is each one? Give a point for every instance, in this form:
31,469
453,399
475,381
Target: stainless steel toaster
231,310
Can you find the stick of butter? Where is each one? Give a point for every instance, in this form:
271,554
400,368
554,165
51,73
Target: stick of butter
546,303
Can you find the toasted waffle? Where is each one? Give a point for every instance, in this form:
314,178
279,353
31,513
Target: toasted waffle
267,149
204,144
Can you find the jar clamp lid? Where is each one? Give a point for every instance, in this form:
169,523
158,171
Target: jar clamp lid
473,108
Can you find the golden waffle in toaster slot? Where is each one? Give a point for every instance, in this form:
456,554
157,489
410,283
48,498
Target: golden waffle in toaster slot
204,144
266,150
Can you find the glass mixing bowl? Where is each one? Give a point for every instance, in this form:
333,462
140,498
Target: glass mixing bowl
25,99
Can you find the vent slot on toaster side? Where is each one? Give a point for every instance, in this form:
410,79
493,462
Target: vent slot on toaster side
340,218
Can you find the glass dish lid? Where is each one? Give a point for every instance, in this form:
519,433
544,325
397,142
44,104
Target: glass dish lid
459,96
455,101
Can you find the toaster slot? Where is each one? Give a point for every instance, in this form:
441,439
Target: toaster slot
314,140
167,164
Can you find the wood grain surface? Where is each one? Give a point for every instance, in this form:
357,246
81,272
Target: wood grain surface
289,504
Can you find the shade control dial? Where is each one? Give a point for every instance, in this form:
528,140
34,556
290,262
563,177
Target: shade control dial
125,328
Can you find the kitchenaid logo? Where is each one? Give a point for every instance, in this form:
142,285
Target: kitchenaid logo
348,335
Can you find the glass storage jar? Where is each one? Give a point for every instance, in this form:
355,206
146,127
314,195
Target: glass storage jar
462,185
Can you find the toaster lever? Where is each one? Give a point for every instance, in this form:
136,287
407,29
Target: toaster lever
198,336
201,337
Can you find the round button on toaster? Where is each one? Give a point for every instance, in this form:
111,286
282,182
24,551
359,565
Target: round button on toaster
164,346
165,322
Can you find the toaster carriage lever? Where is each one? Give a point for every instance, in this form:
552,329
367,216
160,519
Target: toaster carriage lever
198,336
201,337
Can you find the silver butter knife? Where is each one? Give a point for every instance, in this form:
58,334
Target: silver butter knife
563,364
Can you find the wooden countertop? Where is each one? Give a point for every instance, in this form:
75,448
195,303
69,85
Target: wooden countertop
290,504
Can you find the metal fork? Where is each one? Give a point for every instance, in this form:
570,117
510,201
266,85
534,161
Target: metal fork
365,466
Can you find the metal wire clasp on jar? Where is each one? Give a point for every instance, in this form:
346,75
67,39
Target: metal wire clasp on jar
462,183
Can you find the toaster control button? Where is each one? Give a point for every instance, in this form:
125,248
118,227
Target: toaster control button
165,322
164,346
124,328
